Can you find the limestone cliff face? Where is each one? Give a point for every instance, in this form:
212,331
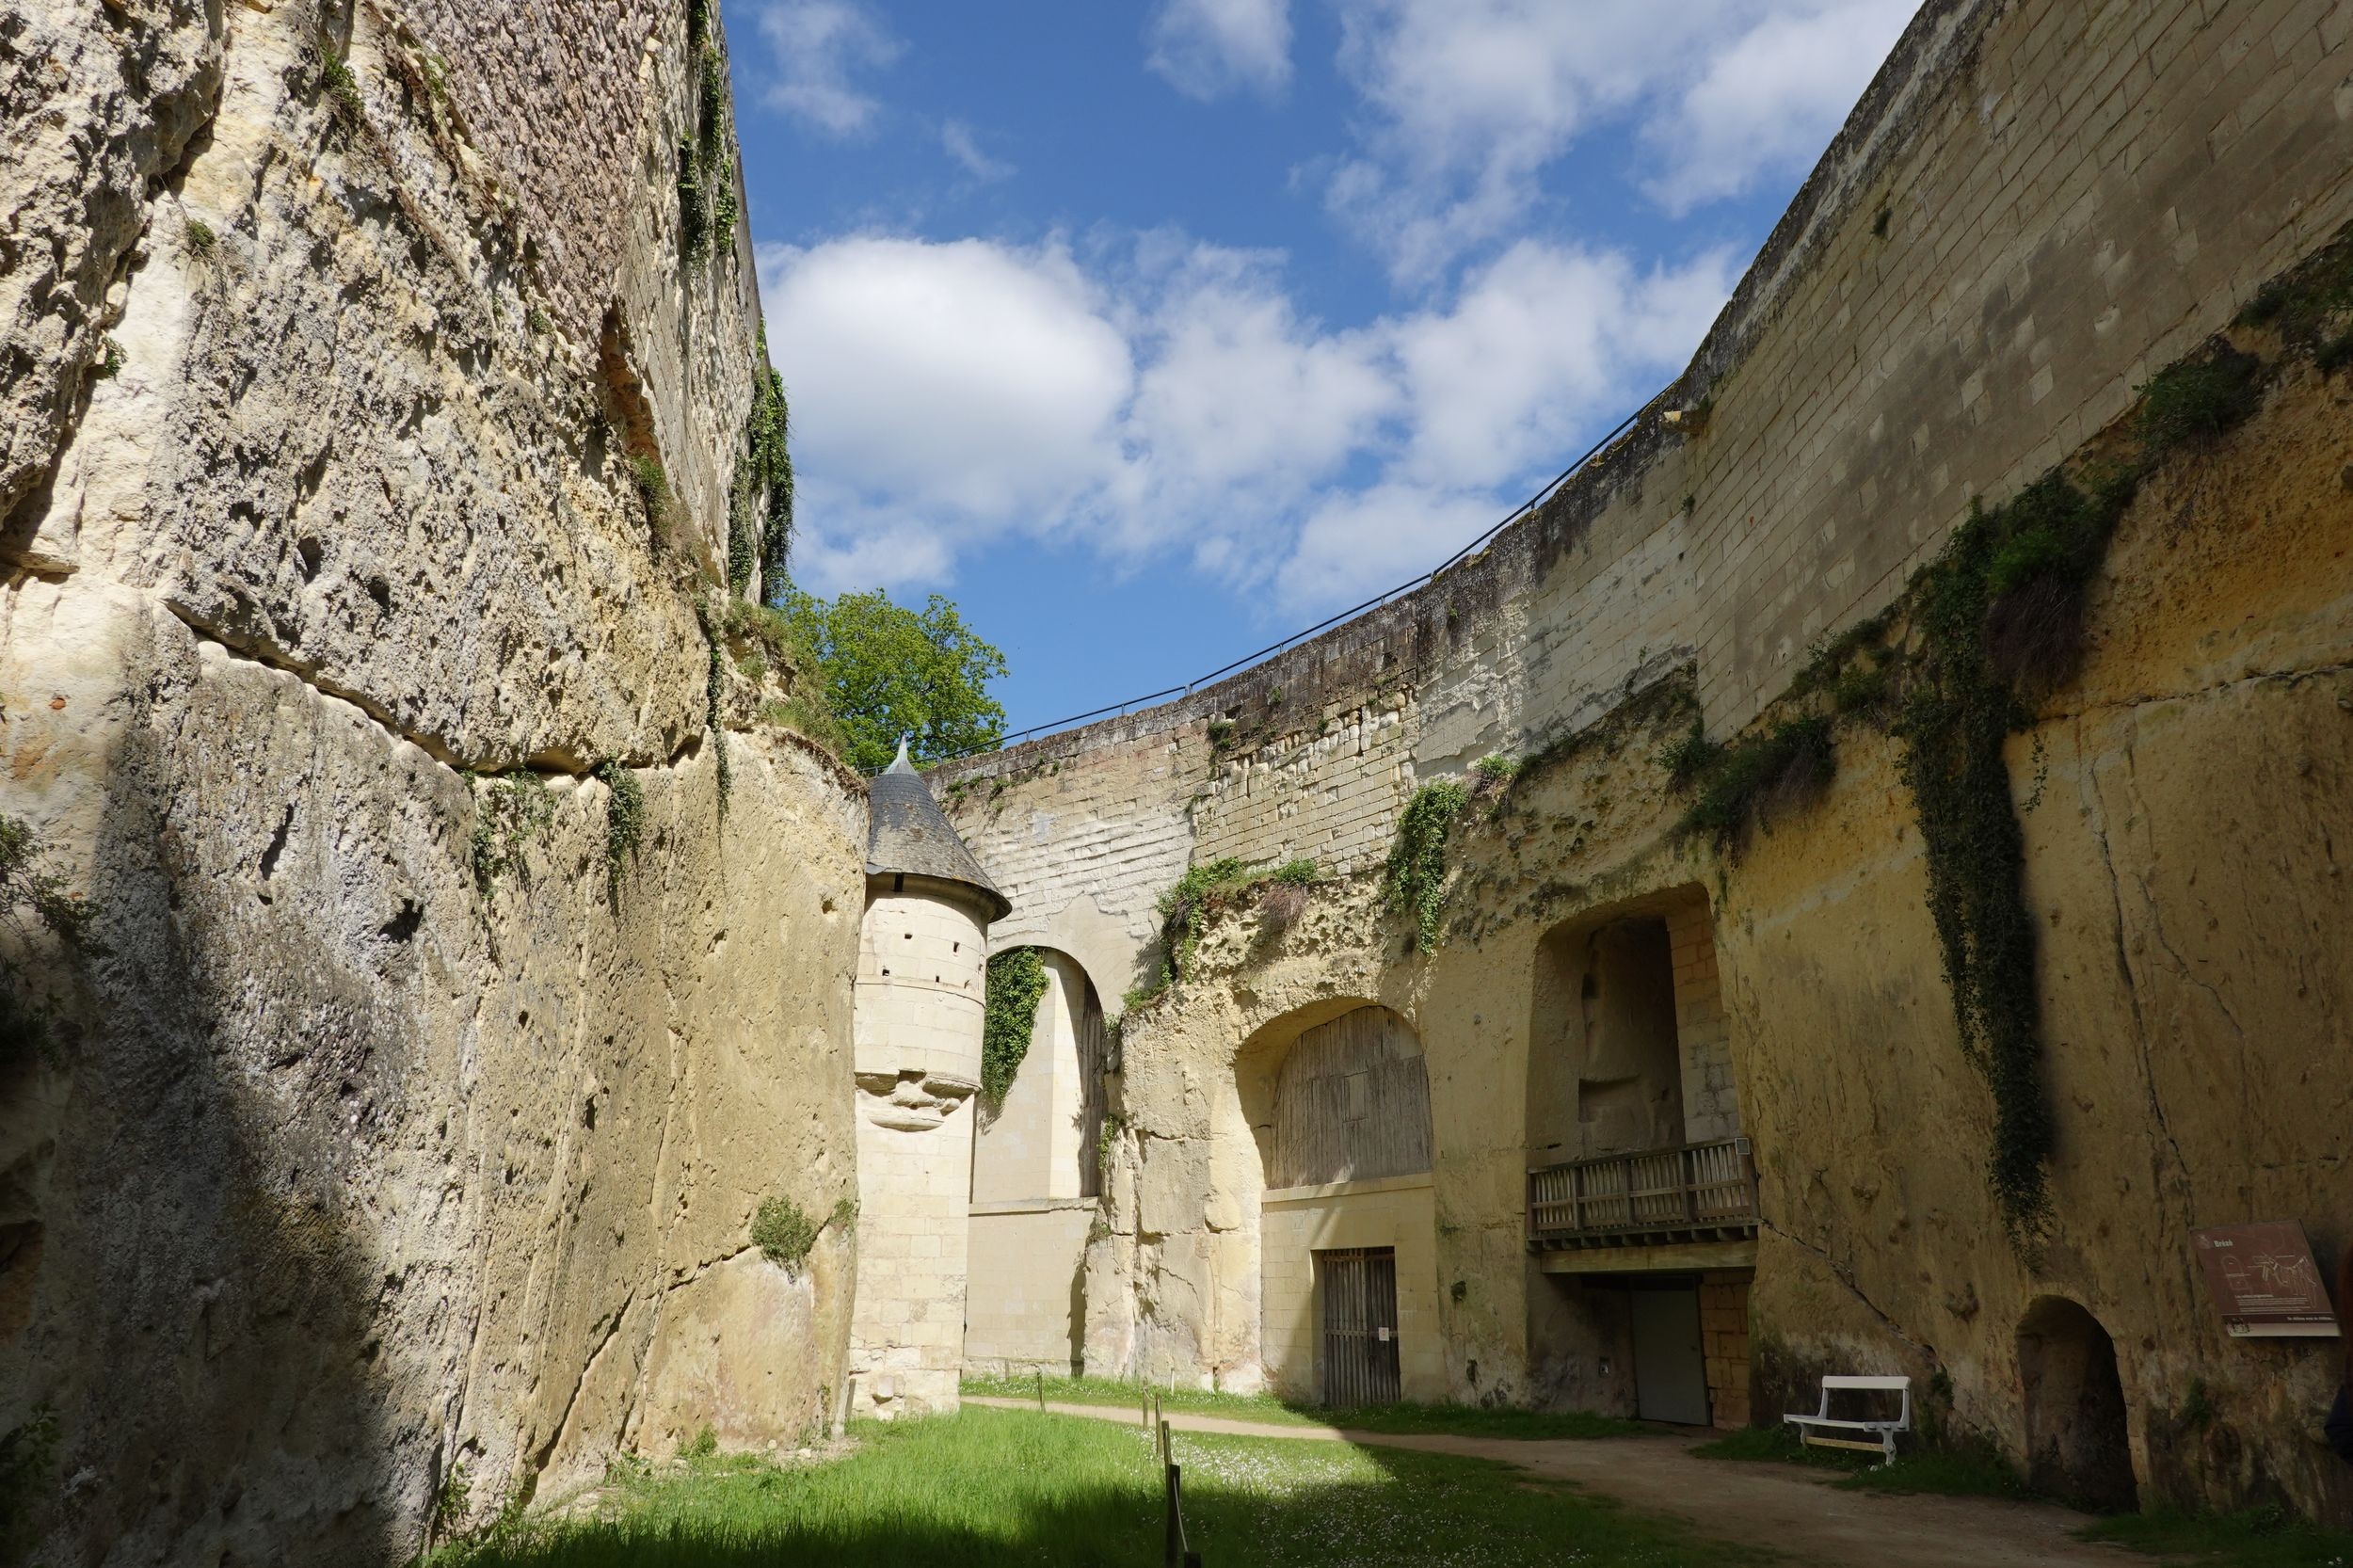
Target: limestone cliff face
401,1123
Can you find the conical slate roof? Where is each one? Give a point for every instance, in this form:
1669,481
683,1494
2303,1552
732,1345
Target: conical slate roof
907,833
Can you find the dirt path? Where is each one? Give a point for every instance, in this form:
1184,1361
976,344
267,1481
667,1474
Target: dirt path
1787,1507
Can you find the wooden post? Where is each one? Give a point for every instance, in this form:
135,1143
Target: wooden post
1173,1541
1041,1389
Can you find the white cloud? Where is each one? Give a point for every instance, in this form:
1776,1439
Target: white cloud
817,48
1178,403
957,138
1540,343
1472,101
1364,542
1209,48
1772,100
968,379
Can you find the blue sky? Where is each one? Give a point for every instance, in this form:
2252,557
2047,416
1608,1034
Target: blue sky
1151,332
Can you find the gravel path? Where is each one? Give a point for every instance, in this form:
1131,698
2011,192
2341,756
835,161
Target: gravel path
1789,1507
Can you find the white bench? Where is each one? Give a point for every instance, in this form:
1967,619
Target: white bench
1810,1428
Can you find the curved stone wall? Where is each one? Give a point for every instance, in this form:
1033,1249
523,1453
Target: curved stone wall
2037,207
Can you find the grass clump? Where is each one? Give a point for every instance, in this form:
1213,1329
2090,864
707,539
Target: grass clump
1493,774
2269,1537
995,1488
1689,756
202,243
1414,878
624,820
2197,401
1209,888
1746,782
807,718
1017,983
341,86
507,815
784,1232
652,484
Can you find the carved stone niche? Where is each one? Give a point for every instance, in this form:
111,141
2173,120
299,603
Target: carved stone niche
912,1101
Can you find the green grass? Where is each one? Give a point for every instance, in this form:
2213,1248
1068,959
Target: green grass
1966,1472
2258,1538
992,1487
1463,1419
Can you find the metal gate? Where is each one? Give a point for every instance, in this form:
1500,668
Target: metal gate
1359,1287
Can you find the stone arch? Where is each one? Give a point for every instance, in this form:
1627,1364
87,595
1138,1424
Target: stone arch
1036,1174
1043,1140
2078,1445
1325,1148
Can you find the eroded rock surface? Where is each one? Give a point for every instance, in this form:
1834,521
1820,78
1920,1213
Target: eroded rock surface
404,1130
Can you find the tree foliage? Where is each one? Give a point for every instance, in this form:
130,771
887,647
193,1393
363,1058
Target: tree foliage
890,670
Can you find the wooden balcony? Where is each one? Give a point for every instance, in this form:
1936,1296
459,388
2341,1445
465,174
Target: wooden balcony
1693,1192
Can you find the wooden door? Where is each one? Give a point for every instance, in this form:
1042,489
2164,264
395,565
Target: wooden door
1670,1366
1359,1290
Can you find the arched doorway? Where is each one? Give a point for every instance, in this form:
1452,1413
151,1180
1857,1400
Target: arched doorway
2077,1446
1037,1170
1641,1209
1337,1103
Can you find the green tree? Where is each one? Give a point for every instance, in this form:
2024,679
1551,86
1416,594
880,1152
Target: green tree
891,670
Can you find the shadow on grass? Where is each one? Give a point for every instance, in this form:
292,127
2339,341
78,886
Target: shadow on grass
1463,1420
2257,1538
1974,1471
989,1488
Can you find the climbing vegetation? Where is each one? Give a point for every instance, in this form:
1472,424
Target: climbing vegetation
1016,982
708,206
1999,609
624,821
1414,880
508,814
714,693
1745,782
767,470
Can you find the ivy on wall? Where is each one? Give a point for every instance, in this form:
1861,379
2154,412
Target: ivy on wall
1414,880
1997,618
624,821
707,205
766,532
1016,982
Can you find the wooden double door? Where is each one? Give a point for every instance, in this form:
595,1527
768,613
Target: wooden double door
1358,1287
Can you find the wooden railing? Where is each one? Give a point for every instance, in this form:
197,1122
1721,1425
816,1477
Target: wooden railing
1698,1191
